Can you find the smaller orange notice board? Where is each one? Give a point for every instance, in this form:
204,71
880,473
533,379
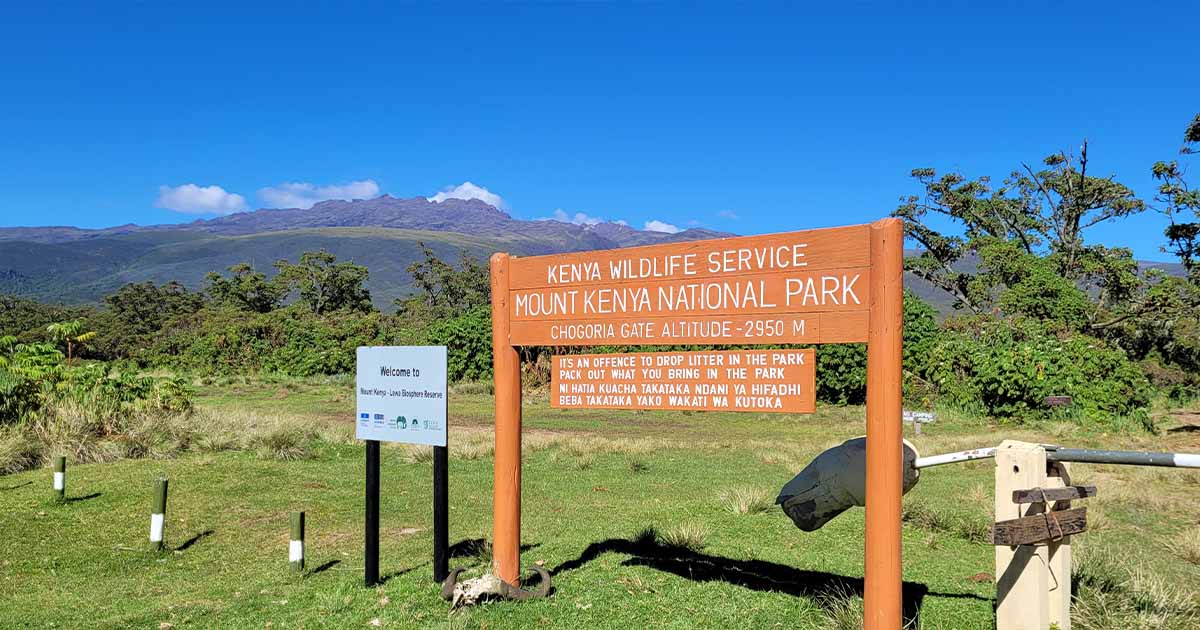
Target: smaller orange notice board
782,381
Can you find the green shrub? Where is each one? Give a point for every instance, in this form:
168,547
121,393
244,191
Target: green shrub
468,341
19,396
1010,366
290,341
842,368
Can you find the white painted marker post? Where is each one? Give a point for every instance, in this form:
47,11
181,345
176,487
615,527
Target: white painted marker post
296,545
159,514
60,478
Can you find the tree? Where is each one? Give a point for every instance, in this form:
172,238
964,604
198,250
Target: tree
143,308
245,289
1027,236
70,334
8,345
1181,204
444,291
325,285
139,311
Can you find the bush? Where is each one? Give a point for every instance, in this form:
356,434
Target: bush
1010,366
468,341
842,368
290,341
18,396
89,412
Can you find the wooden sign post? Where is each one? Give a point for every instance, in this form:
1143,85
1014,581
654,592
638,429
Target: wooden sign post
836,285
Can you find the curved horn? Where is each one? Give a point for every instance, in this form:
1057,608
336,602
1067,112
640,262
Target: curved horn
449,583
520,594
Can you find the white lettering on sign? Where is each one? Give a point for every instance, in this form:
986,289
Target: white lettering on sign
780,380
811,292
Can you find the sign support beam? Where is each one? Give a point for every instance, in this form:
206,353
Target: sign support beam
441,529
882,583
506,364
371,528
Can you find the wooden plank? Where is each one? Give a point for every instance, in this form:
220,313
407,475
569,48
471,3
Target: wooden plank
726,257
1040,495
798,287
778,381
1039,528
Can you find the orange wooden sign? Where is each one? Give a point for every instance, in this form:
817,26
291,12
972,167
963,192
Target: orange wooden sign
798,287
837,285
781,381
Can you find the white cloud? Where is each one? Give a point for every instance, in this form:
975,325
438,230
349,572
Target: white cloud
467,190
194,199
306,195
728,214
654,225
579,218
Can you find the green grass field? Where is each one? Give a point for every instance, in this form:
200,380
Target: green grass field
594,484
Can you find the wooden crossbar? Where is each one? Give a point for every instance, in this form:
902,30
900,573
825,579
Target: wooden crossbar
1040,528
1041,495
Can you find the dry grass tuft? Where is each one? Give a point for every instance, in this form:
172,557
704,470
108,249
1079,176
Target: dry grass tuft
974,525
689,536
417,454
980,494
843,609
745,499
18,451
283,443
637,465
1110,595
1187,545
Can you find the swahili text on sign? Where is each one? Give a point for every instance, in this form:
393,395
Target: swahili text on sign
747,380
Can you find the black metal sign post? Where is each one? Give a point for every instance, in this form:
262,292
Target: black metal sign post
371,556
441,535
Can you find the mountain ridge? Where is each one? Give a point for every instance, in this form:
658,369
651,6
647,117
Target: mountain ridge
73,265
76,265
471,216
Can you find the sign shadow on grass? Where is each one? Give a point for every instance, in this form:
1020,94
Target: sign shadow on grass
84,497
324,567
479,548
646,550
187,544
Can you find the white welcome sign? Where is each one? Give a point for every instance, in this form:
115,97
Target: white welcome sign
401,394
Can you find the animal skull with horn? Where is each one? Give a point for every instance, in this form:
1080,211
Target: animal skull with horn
489,586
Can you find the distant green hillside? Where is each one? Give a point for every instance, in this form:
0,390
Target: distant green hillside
86,270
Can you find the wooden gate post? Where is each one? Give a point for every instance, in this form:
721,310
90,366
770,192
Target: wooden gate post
1059,554
1021,571
506,365
882,573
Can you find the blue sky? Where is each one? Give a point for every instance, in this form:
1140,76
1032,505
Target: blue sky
751,119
